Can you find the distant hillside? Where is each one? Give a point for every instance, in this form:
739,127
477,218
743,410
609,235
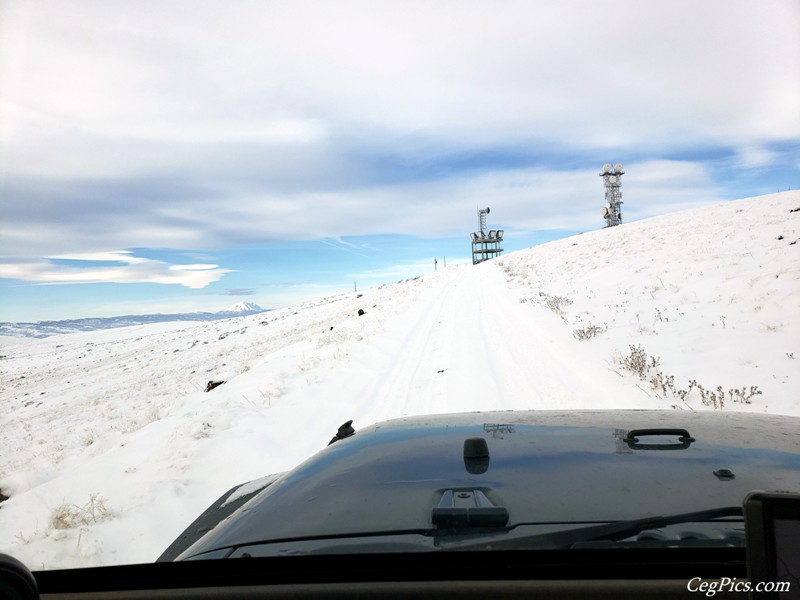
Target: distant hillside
43,329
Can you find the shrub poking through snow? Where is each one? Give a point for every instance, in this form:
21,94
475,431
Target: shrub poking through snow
647,367
556,303
71,516
744,395
587,333
636,361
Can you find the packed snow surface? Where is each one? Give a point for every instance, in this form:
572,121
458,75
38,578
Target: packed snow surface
112,446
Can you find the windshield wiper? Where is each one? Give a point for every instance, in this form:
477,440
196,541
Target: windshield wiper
618,530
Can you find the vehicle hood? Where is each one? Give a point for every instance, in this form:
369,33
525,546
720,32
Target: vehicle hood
543,467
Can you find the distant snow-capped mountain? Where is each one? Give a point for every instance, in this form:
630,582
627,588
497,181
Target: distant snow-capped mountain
43,329
244,307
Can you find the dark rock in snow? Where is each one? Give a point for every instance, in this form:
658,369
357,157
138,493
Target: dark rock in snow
213,384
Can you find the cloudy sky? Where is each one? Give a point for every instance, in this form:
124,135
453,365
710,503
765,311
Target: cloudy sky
166,156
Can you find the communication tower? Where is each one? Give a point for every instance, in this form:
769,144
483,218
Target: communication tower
485,245
612,179
482,212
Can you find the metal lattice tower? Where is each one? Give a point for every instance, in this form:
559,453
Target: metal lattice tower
482,212
612,179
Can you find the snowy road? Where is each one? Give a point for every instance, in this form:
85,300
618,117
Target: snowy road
469,345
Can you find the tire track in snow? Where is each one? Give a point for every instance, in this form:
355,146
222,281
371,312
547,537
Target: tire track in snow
413,384
469,345
536,370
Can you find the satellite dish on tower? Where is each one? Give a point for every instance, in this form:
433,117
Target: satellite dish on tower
612,180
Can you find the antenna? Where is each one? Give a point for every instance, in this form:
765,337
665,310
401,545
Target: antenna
482,212
612,180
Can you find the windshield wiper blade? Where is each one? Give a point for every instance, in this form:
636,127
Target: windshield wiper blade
618,530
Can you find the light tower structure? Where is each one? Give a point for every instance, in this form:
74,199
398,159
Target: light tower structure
612,179
485,245
482,212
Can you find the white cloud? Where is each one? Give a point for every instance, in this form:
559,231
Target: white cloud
126,269
522,200
201,125
754,157
578,71
124,256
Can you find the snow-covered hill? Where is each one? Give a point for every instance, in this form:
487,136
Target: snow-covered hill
244,307
112,446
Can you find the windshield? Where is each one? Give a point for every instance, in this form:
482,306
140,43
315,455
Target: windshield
226,229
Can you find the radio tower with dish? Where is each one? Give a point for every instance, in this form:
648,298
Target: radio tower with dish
612,179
